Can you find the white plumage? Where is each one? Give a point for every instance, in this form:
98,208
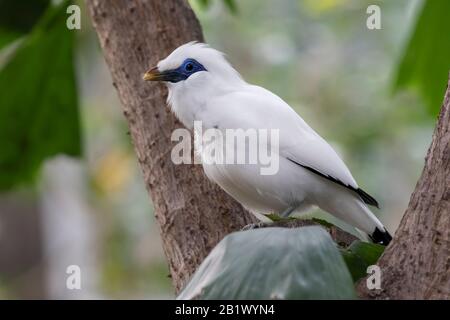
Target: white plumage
310,171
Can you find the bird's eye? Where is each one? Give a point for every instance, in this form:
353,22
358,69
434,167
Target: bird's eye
189,66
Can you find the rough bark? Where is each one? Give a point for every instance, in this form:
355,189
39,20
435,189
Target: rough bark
193,214
416,265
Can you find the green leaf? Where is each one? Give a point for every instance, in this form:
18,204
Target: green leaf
273,263
18,17
426,61
38,100
7,36
359,255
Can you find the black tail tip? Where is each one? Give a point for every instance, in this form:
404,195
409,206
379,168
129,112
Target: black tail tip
381,237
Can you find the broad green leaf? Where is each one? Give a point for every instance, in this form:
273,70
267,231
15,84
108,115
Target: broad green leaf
18,17
38,100
273,263
8,36
359,255
426,61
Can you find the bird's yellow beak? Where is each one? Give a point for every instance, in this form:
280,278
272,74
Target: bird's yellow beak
153,75
168,75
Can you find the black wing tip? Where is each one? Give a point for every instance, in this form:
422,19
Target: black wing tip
381,237
367,198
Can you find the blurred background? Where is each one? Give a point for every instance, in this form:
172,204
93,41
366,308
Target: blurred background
90,207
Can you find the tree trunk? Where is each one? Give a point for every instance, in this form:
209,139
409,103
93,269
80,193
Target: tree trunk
193,214
417,263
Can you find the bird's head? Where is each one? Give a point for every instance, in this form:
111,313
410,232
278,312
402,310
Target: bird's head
194,67
194,74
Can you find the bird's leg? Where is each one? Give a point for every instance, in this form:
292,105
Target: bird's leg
252,226
287,212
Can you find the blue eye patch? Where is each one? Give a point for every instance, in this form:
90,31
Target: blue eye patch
184,71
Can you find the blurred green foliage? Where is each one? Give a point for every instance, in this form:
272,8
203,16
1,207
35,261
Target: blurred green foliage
229,4
18,17
38,101
426,61
425,65
273,263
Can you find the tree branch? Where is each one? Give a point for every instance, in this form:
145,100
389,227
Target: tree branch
341,237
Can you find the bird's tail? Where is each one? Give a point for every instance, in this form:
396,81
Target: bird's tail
381,236
356,213
378,234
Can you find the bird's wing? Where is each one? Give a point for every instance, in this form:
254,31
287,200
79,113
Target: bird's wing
318,157
257,107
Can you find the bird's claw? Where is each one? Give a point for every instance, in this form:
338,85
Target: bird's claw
252,226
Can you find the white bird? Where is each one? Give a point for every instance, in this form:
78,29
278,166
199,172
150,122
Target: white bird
204,87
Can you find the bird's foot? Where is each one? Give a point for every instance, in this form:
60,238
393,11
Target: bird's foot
252,226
